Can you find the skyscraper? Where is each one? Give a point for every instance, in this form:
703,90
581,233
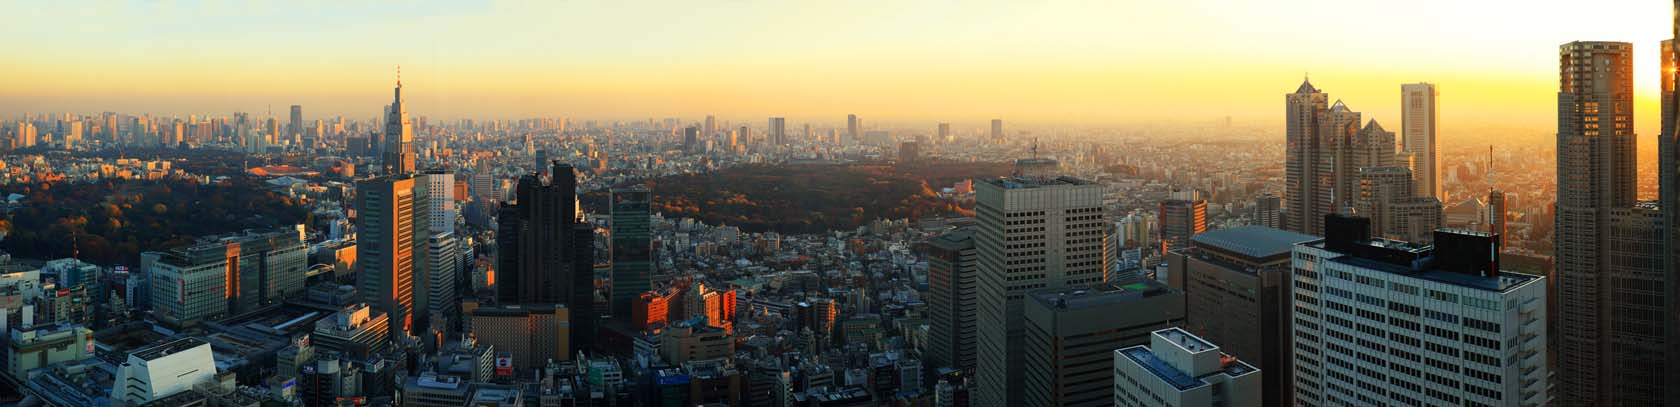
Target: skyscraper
294,128
399,135
944,134
1268,211
545,252
391,246
1236,286
632,247
951,296
1387,197
1034,232
1417,129
711,126
1073,331
1306,109
1668,180
1610,295
853,126
1181,219
997,130
1326,149
778,131
1383,322
691,139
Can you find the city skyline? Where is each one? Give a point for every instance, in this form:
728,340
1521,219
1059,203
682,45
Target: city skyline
971,63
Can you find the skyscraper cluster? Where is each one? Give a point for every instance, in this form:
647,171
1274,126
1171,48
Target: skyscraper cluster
546,251
1332,161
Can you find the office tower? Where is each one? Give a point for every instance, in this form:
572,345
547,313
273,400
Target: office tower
1178,369
434,390
691,139
532,333
944,134
398,148
1034,232
1609,292
1268,211
1181,219
1072,333
1384,322
909,152
1326,148
711,126
1236,286
806,136
1306,109
294,128
745,134
545,251
356,331
163,370
1668,181
440,200
686,341
952,265
997,130
25,136
392,231
1387,197
777,131
632,247
853,127
1417,130
228,276
438,296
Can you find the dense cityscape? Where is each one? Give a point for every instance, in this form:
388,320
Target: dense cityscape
1329,258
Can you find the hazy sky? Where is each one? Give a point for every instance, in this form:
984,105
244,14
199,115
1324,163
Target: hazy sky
1025,61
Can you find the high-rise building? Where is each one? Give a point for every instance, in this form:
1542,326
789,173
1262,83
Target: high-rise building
440,200
944,134
1268,211
392,230
1236,286
691,139
997,130
1384,322
777,130
1178,369
952,269
1034,232
1610,295
1417,132
435,292
1181,219
294,128
399,136
227,276
632,247
711,126
1668,181
853,127
532,334
546,252
1326,148
163,370
1387,197
1072,333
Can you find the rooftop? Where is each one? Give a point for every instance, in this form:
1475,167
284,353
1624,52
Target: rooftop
169,348
1036,182
1252,241
1094,296
1426,268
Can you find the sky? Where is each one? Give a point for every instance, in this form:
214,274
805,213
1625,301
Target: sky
1051,61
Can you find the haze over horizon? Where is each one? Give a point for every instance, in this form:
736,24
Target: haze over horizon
1064,62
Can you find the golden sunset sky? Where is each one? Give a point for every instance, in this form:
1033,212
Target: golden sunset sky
1026,61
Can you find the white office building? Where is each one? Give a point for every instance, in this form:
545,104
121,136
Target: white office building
1383,322
1180,369
161,371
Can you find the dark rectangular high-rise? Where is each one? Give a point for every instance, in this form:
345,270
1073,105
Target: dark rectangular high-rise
952,293
391,228
632,247
295,127
1610,294
545,252
1181,219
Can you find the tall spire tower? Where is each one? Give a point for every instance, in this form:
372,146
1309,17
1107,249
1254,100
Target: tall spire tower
399,134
